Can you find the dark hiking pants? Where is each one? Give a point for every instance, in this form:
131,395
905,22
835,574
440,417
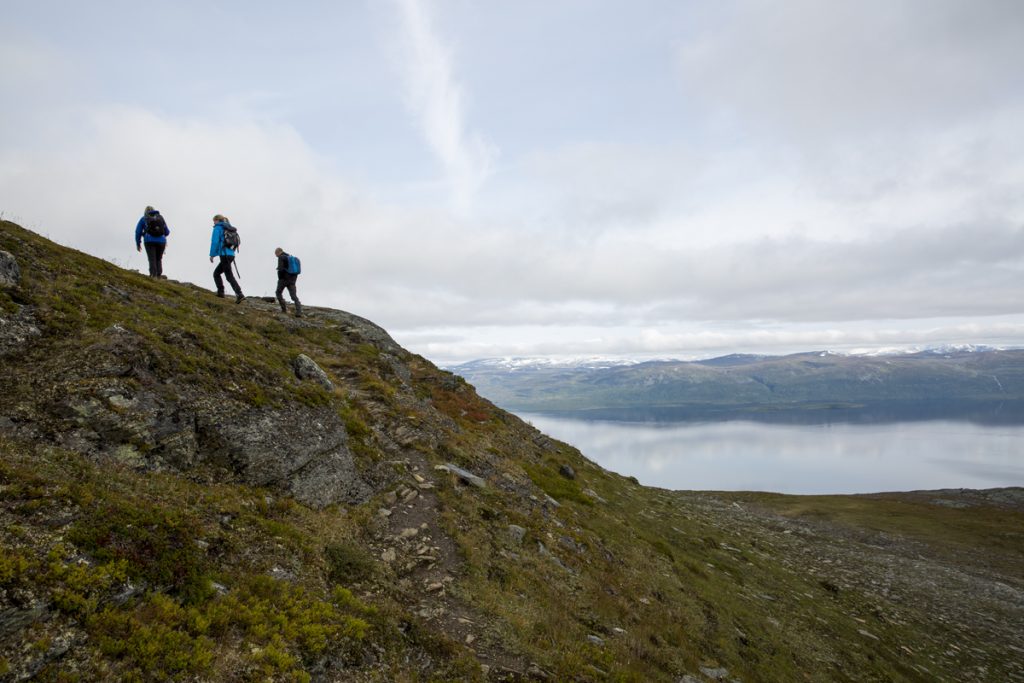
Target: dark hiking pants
289,284
155,254
225,267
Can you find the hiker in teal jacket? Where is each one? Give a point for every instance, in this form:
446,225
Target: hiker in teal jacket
227,257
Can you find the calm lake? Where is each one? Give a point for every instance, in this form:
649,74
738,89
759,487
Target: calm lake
800,456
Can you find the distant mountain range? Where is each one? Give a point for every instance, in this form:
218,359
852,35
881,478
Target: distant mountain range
813,379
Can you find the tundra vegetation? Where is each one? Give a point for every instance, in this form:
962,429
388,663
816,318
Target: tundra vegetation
178,504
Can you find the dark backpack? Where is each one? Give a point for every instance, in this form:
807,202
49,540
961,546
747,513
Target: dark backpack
294,265
156,226
230,239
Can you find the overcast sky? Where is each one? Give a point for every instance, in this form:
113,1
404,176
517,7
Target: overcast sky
548,177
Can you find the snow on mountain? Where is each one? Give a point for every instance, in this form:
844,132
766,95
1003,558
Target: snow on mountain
941,349
513,364
518,363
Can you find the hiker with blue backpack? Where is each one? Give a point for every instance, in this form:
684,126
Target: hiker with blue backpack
224,243
288,269
152,231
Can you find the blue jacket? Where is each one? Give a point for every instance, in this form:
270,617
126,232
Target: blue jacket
217,247
141,234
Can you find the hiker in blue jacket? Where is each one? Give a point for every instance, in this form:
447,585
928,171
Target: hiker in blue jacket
220,245
153,231
287,275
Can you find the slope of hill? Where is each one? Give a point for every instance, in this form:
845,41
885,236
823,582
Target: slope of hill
737,381
194,490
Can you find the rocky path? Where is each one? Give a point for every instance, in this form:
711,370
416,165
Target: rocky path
425,560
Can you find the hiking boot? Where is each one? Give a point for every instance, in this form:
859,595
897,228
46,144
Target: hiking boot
298,310
239,298
220,293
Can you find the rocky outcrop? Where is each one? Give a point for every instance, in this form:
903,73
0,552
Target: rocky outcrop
110,405
298,449
18,328
306,368
359,329
17,331
10,273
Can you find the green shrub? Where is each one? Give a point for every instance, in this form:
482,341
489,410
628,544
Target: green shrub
12,568
157,640
555,485
77,588
158,544
347,563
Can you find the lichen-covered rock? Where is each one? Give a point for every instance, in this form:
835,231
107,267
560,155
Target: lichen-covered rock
10,273
306,368
516,533
300,450
17,331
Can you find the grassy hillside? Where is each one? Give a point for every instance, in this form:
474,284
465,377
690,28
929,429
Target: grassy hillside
176,503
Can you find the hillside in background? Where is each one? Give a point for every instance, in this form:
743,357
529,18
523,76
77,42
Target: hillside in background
756,384
196,490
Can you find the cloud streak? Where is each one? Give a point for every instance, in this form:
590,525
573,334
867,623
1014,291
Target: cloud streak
436,97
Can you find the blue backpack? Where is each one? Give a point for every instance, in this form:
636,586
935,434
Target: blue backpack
294,265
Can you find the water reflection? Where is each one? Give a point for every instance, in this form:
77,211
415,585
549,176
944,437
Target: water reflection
800,458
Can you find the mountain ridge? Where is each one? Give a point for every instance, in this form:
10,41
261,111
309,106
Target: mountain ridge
793,380
515,362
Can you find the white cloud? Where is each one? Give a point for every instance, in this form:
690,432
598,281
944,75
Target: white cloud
815,69
697,341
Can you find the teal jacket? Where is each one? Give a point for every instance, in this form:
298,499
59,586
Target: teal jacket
217,247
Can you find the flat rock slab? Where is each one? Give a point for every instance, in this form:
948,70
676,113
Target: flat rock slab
466,476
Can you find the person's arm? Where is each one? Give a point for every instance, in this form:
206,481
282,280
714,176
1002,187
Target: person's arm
282,265
139,228
215,241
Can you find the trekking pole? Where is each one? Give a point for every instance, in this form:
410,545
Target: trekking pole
235,263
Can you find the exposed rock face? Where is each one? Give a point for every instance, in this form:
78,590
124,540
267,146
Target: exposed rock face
306,368
299,450
302,450
110,405
10,274
360,328
17,331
